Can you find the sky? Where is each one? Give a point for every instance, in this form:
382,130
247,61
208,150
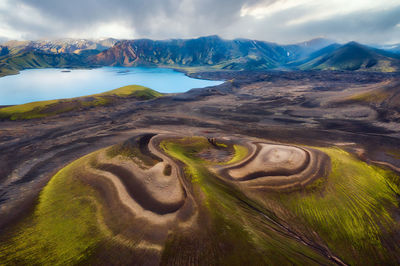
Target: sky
281,21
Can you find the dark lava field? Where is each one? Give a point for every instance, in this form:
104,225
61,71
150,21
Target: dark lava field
328,140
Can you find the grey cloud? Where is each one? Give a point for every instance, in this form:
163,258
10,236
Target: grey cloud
368,27
160,19
373,26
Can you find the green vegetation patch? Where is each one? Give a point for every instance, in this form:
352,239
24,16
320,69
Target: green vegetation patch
64,227
135,91
352,212
186,150
49,108
240,152
238,232
393,153
351,209
53,107
371,97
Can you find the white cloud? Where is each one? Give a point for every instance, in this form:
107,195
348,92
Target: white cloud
266,8
281,21
113,29
22,16
7,33
314,10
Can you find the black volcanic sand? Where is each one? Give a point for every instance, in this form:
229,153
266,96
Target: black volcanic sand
291,107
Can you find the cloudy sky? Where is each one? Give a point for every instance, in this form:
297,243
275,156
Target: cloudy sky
282,21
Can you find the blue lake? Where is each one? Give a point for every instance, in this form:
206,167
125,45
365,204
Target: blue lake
48,84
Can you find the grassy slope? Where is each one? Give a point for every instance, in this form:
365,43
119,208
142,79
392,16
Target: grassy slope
239,154
135,91
6,70
53,107
352,211
22,59
63,229
250,237
386,98
69,225
353,57
376,96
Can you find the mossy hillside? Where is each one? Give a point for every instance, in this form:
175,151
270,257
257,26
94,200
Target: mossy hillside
71,224
375,97
135,91
240,152
49,108
64,228
354,57
352,210
5,70
53,107
19,59
235,220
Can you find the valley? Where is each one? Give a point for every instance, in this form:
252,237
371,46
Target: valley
259,169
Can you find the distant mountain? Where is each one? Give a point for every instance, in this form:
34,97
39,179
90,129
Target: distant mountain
394,48
211,52
73,45
204,51
14,47
62,45
302,50
309,57
29,58
4,51
71,53
244,54
316,44
354,57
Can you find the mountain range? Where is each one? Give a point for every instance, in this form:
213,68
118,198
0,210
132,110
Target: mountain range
211,52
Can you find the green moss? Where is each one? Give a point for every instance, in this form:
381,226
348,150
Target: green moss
132,91
53,107
25,111
393,153
352,209
238,232
240,153
64,228
370,97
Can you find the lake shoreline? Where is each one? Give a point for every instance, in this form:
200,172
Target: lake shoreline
82,82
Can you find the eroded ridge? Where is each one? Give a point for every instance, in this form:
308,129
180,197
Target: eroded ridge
142,188
178,200
277,167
